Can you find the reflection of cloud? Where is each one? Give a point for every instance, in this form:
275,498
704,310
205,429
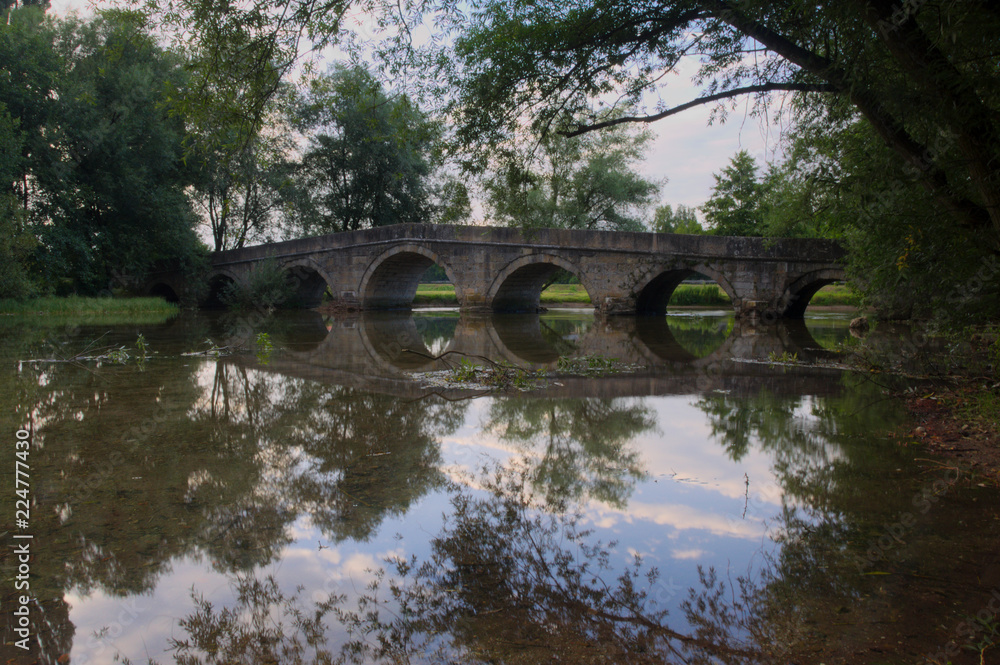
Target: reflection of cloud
688,554
139,627
677,516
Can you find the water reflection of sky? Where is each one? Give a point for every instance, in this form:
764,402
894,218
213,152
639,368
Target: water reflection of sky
684,481
692,507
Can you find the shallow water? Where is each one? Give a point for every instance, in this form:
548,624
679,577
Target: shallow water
722,495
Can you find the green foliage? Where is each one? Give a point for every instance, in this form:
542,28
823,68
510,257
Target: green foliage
502,376
141,347
93,178
265,287
264,347
240,179
75,305
784,357
368,159
453,202
683,220
464,372
30,68
736,205
586,182
590,365
907,256
835,295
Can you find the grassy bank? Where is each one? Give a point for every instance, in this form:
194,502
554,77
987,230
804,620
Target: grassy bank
686,295
97,310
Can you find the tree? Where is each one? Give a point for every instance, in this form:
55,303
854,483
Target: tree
30,68
368,159
736,205
240,182
15,242
684,220
907,258
586,182
114,181
921,74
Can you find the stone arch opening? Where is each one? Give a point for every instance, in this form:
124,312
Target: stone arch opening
165,291
518,287
798,294
392,279
656,295
307,286
218,284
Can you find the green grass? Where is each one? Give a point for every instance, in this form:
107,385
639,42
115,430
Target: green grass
444,294
89,310
566,293
435,294
835,295
686,295
698,295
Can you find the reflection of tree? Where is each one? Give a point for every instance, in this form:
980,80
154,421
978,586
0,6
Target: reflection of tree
510,580
505,582
825,455
737,421
193,457
345,457
363,456
700,335
583,444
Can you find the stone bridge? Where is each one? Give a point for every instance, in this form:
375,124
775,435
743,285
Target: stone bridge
505,269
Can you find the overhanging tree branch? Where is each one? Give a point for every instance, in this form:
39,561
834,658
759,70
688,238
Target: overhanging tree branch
707,99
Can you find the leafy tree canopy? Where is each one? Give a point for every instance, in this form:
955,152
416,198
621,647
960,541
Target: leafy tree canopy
584,182
922,75
682,220
95,160
735,207
368,159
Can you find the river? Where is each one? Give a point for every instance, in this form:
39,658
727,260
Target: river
641,490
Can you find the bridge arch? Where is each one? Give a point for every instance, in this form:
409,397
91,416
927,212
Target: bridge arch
164,290
658,286
518,287
218,282
797,295
308,282
391,280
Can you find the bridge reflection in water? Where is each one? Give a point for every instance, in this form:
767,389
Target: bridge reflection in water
387,351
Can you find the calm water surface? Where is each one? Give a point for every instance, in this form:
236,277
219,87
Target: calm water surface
338,501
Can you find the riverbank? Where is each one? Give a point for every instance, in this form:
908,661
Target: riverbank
960,422
955,408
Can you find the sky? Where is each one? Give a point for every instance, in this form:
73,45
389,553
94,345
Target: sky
687,150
